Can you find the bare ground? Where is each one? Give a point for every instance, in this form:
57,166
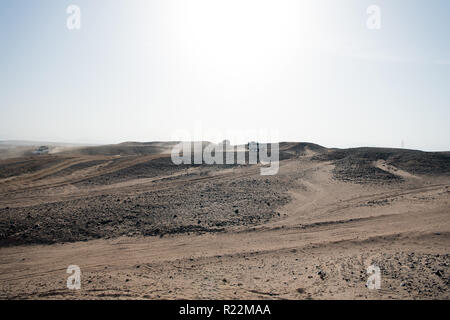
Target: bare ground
141,228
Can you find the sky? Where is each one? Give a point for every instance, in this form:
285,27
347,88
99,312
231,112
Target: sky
284,70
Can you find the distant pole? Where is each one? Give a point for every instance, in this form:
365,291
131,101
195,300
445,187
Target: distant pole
403,144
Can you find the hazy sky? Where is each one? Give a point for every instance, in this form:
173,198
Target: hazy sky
306,70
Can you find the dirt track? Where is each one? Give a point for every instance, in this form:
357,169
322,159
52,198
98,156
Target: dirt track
146,229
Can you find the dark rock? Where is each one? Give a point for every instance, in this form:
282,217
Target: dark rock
439,273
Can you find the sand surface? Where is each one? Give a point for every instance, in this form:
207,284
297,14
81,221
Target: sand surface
142,228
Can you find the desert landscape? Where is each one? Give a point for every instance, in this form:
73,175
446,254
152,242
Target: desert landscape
140,227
